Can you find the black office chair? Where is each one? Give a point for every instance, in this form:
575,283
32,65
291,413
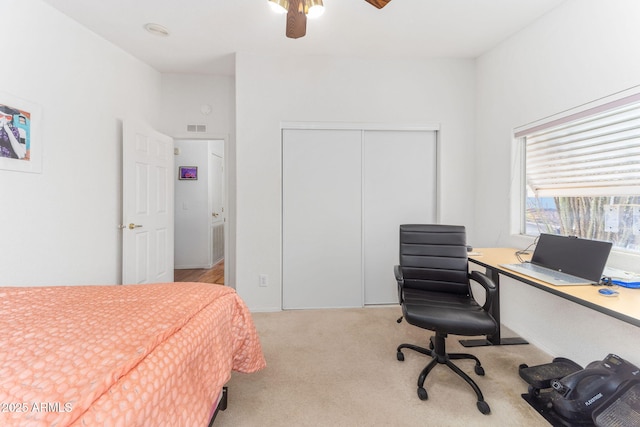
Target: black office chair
435,294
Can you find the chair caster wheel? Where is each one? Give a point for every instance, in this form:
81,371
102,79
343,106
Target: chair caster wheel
422,393
533,391
479,370
400,356
483,407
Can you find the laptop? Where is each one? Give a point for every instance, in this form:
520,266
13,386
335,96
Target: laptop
565,261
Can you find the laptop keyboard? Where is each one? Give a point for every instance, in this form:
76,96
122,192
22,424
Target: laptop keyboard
546,274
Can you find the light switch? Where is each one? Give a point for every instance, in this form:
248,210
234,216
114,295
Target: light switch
263,280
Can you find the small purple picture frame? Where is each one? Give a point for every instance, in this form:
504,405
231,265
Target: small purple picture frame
188,172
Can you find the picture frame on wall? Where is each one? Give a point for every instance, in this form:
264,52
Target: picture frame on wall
188,172
20,140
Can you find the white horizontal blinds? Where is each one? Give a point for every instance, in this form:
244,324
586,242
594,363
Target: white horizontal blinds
598,155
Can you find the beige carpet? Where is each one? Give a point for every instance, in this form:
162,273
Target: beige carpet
339,368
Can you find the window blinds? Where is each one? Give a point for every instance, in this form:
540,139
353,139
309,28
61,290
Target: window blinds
597,155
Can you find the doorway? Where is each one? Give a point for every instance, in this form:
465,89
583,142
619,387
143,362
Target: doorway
200,217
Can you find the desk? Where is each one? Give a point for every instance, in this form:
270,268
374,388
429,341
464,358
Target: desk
625,306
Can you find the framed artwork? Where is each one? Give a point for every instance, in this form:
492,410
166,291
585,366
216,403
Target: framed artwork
188,172
20,141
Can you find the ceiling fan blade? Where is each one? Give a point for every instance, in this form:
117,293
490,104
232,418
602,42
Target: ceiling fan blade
378,3
296,20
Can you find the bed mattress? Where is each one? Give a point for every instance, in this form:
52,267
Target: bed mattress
128,355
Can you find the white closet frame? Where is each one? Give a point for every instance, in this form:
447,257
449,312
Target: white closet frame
363,127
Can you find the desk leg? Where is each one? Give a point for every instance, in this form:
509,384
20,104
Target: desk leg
495,312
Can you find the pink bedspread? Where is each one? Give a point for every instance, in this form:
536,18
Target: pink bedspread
120,355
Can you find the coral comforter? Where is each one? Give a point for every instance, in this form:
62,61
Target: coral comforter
120,355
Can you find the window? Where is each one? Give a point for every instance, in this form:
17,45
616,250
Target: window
582,175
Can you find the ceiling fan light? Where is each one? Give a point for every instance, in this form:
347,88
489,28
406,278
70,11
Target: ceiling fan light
315,10
279,6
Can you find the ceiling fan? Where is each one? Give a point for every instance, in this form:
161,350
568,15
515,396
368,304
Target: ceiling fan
298,10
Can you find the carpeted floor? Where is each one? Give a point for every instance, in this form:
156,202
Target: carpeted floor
339,368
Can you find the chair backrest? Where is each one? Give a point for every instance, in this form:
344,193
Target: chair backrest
434,257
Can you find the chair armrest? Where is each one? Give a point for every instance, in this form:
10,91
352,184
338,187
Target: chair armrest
397,271
487,284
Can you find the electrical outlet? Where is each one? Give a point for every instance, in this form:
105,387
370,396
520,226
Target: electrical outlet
263,280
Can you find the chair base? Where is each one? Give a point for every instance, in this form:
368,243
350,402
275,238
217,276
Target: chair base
438,352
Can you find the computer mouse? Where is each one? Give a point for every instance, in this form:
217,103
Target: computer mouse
608,292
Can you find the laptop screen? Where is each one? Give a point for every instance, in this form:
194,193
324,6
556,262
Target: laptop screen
579,257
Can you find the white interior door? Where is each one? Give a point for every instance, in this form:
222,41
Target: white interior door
148,207
322,211
399,188
216,197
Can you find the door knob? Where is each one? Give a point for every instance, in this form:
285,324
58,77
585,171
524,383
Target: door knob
215,214
132,226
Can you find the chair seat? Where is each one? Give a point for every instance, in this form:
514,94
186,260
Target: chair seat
447,313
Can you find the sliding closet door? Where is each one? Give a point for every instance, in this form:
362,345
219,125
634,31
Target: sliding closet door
321,219
399,188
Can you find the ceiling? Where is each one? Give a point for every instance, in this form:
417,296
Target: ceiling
204,34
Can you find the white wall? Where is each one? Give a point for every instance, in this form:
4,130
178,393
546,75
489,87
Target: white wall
192,213
580,52
61,226
270,90
183,95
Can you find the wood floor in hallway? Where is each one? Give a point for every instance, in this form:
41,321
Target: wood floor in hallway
214,275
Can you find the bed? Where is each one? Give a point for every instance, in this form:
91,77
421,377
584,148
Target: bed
130,355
